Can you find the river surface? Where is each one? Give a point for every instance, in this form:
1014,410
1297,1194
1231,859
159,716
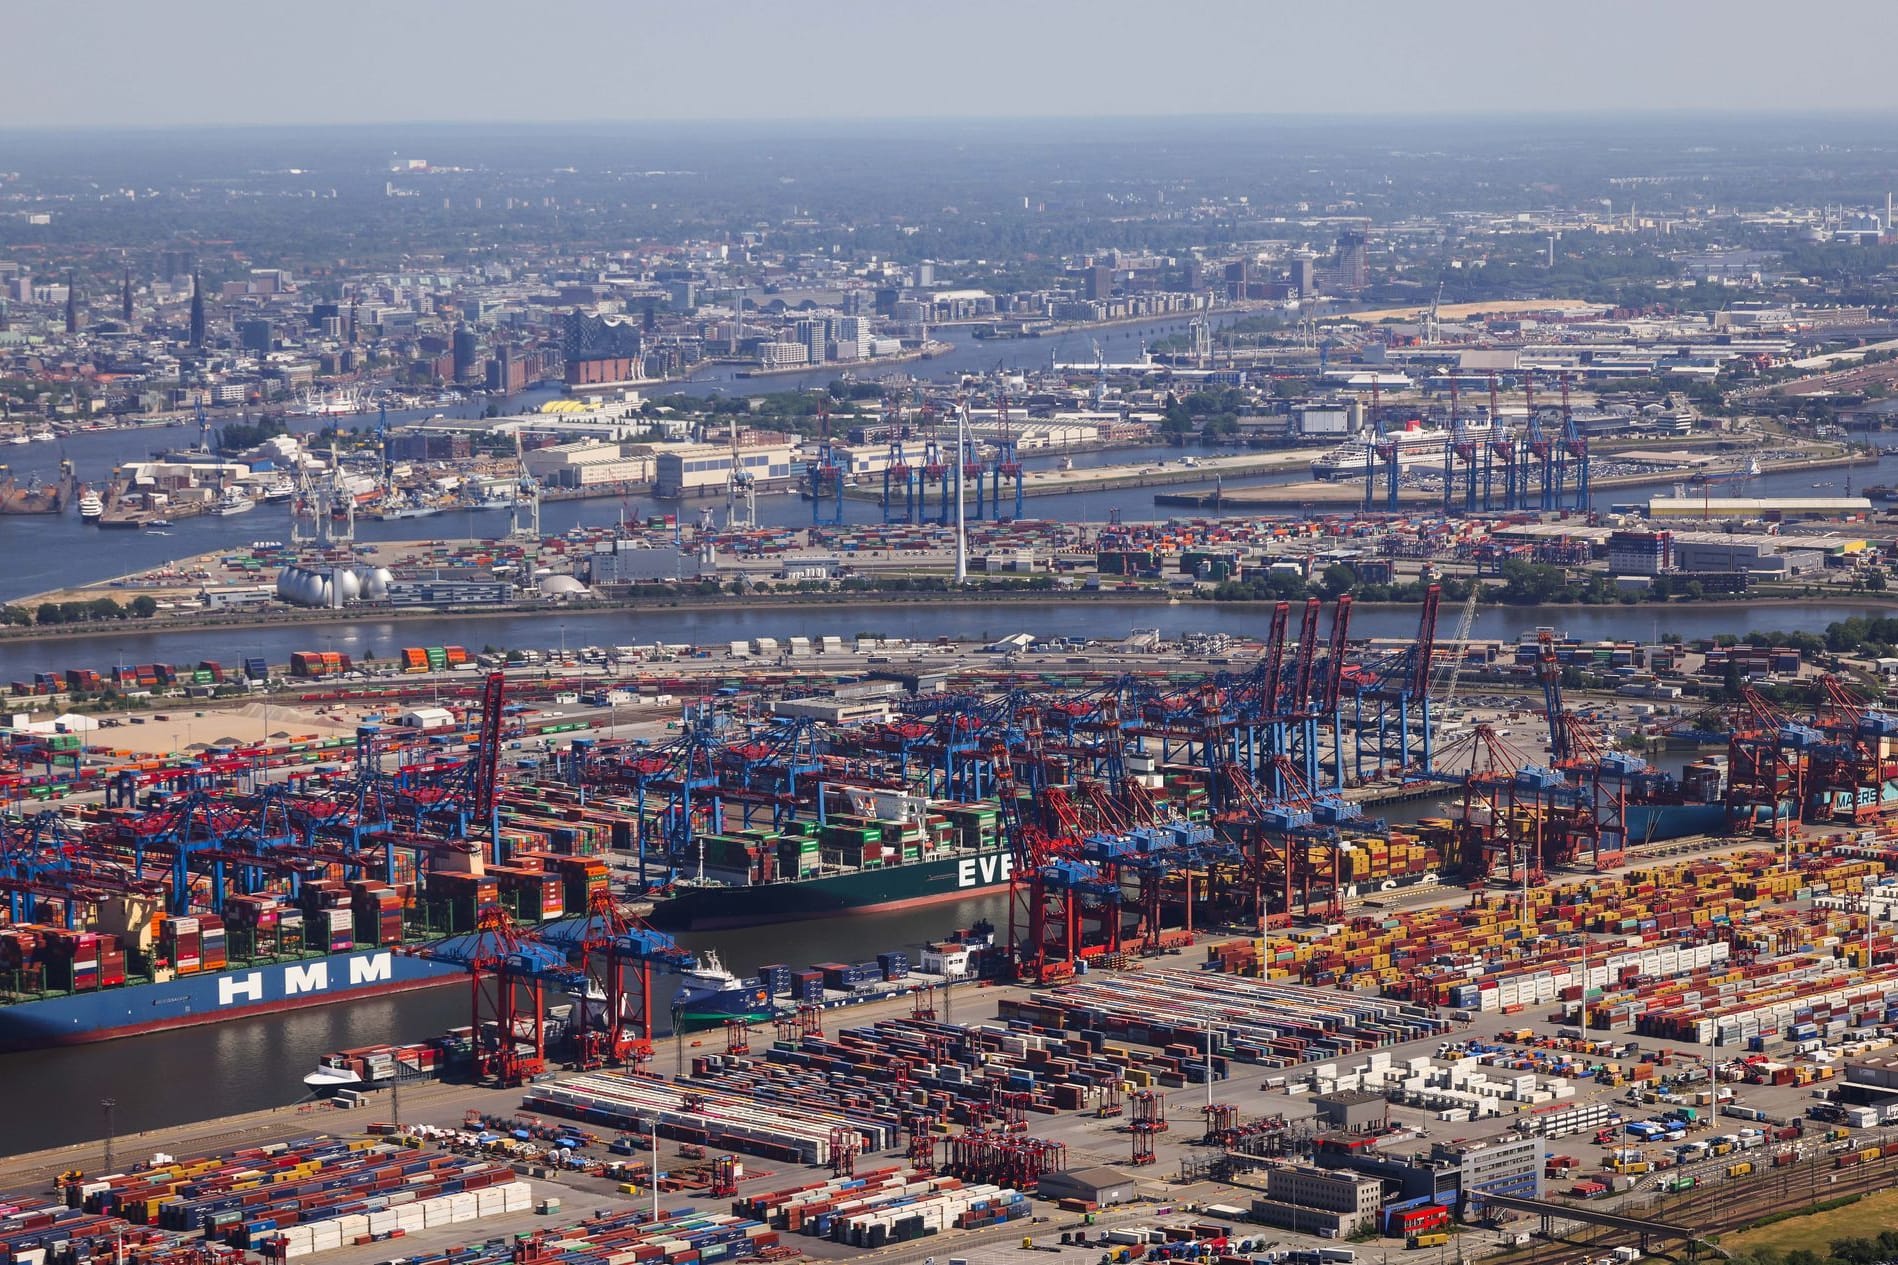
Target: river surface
1093,618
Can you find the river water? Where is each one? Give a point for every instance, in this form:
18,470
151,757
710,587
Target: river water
1097,618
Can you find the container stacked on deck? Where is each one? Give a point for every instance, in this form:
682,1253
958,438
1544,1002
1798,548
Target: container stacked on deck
312,1195
753,1122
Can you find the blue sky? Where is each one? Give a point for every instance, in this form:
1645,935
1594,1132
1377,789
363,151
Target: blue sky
118,62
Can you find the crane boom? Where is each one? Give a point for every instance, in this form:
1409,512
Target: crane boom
1465,622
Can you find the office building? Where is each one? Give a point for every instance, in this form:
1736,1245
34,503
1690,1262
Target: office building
1332,1203
1353,263
197,312
467,353
254,336
814,334
1098,281
1640,552
1504,1166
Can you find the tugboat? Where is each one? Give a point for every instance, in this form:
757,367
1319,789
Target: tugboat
709,994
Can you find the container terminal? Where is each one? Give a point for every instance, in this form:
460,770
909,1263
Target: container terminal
1430,1014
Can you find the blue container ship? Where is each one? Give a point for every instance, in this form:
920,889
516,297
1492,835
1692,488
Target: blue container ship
133,1008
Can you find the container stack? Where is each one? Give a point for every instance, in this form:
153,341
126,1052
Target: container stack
307,1196
757,1123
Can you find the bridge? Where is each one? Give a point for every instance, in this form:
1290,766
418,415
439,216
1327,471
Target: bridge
1649,1232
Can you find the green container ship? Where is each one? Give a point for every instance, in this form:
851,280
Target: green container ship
889,851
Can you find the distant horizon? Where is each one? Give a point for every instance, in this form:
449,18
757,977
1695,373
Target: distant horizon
847,122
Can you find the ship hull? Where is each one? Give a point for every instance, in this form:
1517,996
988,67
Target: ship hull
753,1005
924,883
1649,823
216,996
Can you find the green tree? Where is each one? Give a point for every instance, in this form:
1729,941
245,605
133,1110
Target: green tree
1337,580
50,613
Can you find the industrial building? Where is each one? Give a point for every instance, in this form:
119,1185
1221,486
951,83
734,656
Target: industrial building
1727,552
1332,1203
1099,1185
1757,507
1509,1166
1352,1111
688,469
624,562
589,463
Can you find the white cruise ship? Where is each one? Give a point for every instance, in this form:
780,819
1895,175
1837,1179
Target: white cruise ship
232,501
1417,445
91,508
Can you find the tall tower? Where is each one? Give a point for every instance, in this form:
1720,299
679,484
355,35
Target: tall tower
72,305
197,312
125,297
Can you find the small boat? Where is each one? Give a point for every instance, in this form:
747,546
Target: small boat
157,524
43,436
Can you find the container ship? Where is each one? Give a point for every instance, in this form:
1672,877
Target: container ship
884,850
36,496
1417,445
137,968
99,1009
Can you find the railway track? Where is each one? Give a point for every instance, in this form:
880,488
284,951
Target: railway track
1719,1207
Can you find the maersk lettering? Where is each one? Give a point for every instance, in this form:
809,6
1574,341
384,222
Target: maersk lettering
253,988
984,871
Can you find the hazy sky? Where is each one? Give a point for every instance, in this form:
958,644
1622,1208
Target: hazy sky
111,62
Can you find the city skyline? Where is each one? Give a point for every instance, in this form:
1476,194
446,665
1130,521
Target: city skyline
434,62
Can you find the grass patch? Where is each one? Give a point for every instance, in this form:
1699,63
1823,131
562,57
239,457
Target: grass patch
1844,1218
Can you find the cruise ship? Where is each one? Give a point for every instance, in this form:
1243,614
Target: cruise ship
91,507
231,501
1417,445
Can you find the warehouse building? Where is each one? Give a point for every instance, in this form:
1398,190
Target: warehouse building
1099,1185
1696,552
589,463
698,469
1759,507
